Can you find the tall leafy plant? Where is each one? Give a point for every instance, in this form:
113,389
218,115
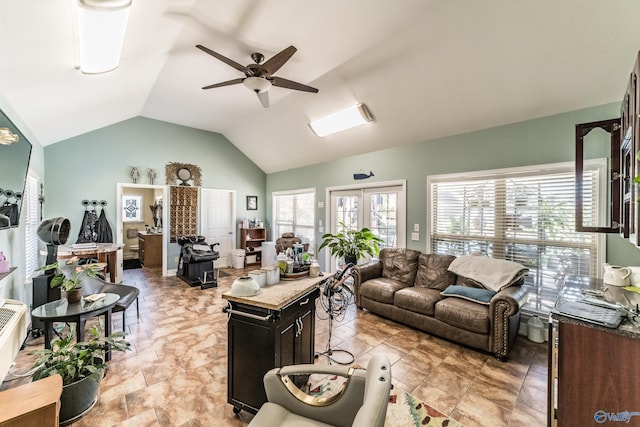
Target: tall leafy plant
351,245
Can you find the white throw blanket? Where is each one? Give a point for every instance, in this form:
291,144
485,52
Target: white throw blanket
493,274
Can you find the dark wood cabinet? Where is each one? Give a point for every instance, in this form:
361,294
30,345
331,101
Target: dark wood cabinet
150,249
261,338
595,376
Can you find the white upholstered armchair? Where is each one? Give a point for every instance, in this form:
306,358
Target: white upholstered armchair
361,403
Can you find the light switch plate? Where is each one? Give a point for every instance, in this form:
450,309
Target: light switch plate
320,205
416,228
415,236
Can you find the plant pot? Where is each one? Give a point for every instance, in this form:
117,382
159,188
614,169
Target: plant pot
79,397
349,259
73,296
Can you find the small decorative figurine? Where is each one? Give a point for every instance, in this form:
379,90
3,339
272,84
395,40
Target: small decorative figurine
135,174
152,176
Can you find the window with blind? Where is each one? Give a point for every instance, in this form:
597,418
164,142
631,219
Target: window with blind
525,215
294,211
30,207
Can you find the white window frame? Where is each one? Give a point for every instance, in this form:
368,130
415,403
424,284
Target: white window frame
600,165
31,207
276,227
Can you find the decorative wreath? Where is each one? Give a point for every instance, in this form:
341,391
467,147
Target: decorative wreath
174,171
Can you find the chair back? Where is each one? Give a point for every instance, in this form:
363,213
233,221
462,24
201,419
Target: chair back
373,411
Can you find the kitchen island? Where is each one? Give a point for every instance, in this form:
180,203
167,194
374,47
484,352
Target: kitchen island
272,329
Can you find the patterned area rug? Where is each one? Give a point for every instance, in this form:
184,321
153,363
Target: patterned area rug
404,410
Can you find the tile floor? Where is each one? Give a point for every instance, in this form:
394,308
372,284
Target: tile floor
176,373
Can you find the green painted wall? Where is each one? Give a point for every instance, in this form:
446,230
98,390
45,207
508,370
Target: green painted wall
89,166
545,140
12,241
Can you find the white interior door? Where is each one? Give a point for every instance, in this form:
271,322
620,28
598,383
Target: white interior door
217,221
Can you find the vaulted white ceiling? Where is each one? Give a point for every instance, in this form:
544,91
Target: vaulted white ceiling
425,68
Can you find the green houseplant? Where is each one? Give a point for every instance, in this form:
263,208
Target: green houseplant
71,284
351,245
81,366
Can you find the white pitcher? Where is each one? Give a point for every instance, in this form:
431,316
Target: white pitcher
616,275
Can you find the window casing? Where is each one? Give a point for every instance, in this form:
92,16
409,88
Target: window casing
294,211
31,221
523,214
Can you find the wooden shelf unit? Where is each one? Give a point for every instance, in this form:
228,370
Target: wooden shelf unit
251,241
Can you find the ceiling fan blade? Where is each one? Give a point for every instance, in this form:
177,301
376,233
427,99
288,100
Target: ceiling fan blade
264,98
222,58
290,84
279,59
227,83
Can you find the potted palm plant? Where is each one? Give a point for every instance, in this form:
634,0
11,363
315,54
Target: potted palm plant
70,285
351,245
81,366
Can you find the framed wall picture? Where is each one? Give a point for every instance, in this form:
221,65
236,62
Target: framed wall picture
252,203
131,206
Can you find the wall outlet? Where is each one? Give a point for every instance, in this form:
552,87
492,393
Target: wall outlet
320,205
415,236
176,259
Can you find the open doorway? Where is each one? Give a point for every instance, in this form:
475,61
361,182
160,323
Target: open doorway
141,217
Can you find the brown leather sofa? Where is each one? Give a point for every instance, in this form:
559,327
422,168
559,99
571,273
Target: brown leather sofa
406,286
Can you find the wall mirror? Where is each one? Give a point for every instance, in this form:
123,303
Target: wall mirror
598,176
15,152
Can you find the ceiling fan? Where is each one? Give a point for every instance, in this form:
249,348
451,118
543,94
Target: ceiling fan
259,76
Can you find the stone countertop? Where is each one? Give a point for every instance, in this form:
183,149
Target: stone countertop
613,294
279,295
98,248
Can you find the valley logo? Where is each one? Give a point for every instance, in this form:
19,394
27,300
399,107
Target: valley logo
602,417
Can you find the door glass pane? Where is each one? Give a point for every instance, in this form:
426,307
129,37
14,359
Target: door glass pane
347,212
383,218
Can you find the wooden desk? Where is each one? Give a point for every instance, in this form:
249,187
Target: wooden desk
272,329
104,252
36,404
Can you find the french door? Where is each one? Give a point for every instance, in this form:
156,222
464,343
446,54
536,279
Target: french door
380,208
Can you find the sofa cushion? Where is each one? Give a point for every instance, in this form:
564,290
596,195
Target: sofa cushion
417,299
381,289
399,264
481,296
463,314
433,271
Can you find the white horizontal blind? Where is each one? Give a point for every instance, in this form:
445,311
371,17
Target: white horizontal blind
30,206
526,215
295,212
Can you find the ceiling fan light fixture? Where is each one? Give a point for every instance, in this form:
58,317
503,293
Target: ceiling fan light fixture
257,84
348,118
7,137
101,29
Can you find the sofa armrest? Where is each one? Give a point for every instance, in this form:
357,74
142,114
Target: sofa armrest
513,298
504,310
362,273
